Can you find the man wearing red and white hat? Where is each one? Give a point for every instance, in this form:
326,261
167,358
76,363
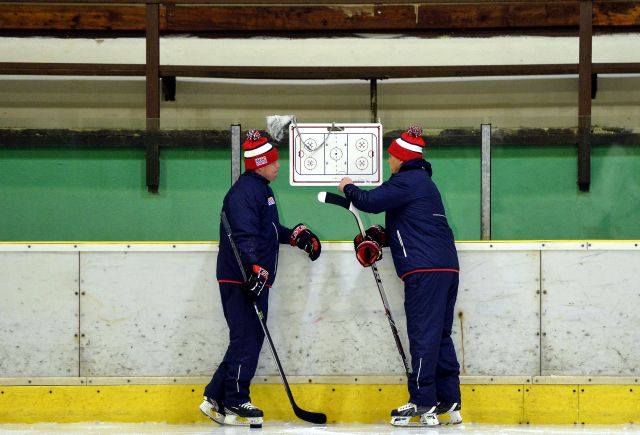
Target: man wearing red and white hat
425,258
250,207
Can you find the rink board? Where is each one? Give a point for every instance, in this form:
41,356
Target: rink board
525,308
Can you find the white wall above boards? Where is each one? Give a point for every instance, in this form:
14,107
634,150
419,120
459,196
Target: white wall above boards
321,154
39,314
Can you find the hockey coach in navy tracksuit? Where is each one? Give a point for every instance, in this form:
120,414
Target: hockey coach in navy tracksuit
425,258
251,210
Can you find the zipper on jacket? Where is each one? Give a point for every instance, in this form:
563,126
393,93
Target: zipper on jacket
401,244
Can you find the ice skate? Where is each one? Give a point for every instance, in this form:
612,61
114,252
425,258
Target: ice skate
243,415
452,409
404,414
213,410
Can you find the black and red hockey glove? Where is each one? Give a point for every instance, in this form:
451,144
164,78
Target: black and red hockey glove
368,252
304,239
378,234
257,277
369,248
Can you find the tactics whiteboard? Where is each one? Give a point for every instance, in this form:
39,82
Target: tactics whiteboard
321,154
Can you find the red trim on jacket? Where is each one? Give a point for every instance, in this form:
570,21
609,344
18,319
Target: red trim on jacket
429,270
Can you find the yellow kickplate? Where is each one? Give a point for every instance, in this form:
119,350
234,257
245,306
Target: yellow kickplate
130,403
498,404
343,403
609,404
551,404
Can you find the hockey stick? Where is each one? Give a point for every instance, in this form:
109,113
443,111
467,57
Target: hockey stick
341,201
311,417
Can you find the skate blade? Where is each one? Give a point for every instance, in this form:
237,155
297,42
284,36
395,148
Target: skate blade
454,418
252,422
207,409
423,421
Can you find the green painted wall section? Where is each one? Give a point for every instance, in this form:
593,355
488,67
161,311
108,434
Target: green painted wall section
100,195
536,196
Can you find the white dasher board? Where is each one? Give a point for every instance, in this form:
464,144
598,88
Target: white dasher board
321,154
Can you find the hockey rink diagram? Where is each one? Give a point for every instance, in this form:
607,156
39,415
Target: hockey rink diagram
324,153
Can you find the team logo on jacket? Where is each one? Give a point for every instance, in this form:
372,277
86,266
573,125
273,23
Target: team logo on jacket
271,201
261,161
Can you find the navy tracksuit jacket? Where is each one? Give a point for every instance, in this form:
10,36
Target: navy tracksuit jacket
425,258
251,209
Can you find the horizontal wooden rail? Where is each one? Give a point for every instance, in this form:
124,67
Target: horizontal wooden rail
310,73
72,69
302,2
31,138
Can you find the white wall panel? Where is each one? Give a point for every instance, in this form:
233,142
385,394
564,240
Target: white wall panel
591,313
497,317
38,314
150,314
158,313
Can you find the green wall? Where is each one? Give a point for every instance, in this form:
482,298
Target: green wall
100,195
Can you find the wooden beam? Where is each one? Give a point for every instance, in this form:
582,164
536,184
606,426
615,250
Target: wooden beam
219,139
584,98
498,15
66,17
281,18
71,69
153,94
266,18
312,73
297,2
364,73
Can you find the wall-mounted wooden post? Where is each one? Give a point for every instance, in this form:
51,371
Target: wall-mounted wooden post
153,94
584,98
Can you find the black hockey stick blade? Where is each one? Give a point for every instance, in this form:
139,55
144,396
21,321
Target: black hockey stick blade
332,198
311,417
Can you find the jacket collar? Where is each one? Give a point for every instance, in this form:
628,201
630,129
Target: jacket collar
416,164
252,173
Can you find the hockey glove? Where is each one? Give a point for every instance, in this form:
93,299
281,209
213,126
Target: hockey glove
304,239
375,233
378,234
257,277
368,252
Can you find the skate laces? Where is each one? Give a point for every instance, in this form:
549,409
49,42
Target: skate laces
248,405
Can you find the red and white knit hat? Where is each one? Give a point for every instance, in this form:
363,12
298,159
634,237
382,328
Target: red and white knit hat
409,145
258,152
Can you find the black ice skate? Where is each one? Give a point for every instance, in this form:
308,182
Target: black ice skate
243,415
213,410
403,415
453,409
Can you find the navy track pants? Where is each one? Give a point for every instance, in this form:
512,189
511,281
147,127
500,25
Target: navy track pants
230,382
429,302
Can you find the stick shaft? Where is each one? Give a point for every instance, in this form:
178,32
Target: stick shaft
332,198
